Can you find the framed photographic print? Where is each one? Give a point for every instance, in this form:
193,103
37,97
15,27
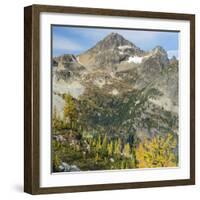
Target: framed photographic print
109,99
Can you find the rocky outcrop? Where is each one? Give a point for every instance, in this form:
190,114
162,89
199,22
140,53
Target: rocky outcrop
66,67
160,55
64,167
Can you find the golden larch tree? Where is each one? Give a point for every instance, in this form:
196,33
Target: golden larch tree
157,152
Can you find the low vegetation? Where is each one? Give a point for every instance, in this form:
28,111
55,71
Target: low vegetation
95,149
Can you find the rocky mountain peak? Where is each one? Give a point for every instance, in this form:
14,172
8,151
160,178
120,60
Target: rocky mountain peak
113,41
110,51
159,50
160,54
117,39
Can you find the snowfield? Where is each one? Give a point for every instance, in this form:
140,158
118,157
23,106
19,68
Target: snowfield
125,47
135,59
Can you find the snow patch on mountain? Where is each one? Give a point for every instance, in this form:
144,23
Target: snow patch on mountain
125,47
135,59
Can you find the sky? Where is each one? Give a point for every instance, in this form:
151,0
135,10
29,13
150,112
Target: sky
75,40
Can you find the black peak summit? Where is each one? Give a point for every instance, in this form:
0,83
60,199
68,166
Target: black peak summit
113,41
115,35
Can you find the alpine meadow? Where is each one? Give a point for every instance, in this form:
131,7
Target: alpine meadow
114,99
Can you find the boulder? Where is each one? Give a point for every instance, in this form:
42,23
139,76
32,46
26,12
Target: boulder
65,166
74,168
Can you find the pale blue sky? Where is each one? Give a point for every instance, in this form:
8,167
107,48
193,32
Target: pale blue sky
74,40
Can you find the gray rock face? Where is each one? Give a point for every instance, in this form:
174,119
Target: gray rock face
61,168
66,58
66,66
160,55
59,138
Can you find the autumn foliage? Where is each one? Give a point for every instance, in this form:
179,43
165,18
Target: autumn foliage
91,151
157,152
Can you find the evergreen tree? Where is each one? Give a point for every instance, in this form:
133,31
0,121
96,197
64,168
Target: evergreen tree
70,111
